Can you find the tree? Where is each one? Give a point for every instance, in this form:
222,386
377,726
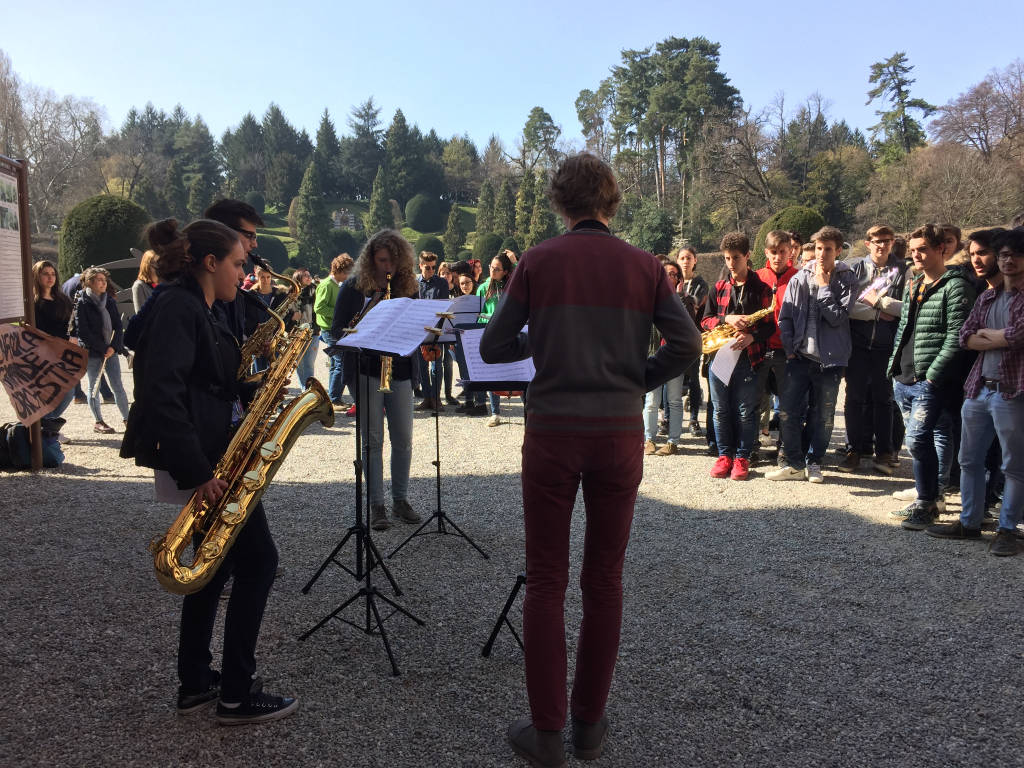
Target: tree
538,142
12,114
989,117
485,208
505,210
403,159
199,197
101,228
652,228
424,214
794,218
460,162
175,198
543,224
454,233
327,156
485,246
525,199
288,152
897,132
273,251
378,217
311,220
429,243
494,161
244,157
362,154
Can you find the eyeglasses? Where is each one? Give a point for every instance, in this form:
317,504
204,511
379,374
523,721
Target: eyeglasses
1007,255
248,233
880,243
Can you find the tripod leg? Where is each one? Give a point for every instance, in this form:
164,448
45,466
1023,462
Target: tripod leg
329,559
463,535
372,605
372,548
331,615
412,536
503,618
399,608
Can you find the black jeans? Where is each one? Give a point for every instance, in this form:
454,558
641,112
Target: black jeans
252,560
869,402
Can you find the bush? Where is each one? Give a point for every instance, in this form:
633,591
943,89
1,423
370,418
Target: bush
257,201
272,250
464,256
98,230
486,247
425,214
652,227
795,218
430,243
511,244
341,241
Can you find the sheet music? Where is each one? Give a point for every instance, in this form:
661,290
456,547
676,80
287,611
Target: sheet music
523,370
725,362
397,326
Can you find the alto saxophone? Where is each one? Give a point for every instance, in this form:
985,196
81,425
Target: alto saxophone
385,360
254,455
270,329
722,334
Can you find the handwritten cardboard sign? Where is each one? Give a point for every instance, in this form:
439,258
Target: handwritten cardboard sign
37,370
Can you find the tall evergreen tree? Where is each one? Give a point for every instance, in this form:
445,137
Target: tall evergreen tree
327,156
460,161
896,132
362,153
485,209
199,197
403,159
505,210
454,234
524,205
245,161
543,224
288,152
312,223
379,215
175,200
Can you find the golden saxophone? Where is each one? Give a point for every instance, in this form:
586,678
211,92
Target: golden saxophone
254,455
385,360
722,334
270,329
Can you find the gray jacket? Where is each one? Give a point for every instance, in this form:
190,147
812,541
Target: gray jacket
832,306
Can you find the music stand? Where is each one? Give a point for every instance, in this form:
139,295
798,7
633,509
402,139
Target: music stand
443,521
503,618
372,620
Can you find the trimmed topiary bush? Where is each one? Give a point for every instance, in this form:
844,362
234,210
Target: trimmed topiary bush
341,241
425,213
511,244
430,243
464,256
272,250
795,218
257,201
98,230
486,247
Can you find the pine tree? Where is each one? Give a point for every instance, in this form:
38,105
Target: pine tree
524,205
327,155
485,209
896,132
454,234
199,197
379,215
403,159
175,197
505,210
312,223
542,223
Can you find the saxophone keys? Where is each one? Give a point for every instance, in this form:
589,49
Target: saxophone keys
210,550
270,451
232,514
252,480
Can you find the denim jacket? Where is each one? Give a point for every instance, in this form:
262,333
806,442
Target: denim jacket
833,306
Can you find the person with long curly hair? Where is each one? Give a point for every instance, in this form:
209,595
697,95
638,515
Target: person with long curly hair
386,261
53,313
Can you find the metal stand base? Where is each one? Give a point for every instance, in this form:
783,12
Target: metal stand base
503,618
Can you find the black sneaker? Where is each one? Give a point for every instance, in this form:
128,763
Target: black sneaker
1004,544
953,531
712,450
260,708
922,515
696,430
189,703
478,410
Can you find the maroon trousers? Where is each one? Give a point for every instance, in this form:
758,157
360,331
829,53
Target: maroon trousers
610,467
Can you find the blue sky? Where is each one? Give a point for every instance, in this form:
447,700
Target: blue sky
480,67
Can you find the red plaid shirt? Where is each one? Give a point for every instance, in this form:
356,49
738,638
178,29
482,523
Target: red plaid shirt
756,295
1011,366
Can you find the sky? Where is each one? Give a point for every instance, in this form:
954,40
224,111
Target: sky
479,68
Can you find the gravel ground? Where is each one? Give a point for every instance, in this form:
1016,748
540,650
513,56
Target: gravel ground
765,624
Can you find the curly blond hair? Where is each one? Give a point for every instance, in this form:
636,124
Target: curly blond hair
403,280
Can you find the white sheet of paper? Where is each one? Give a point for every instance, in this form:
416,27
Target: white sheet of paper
395,326
523,370
725,362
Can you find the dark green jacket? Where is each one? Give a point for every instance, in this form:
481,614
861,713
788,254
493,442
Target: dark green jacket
935,321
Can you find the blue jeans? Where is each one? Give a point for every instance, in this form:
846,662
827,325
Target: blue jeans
397,406
305,367
112,373
735,407
674,406
336,377
805,380
922,406
986,417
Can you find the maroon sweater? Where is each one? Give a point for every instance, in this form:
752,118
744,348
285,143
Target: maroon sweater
590,300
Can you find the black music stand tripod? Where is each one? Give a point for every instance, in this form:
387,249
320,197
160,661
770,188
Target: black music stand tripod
443,521
373,622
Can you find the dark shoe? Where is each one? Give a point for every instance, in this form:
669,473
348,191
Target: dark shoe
478,410
668,449
650,448
108,401
953,531
189,703
544,749
851,463
884,463
1004,544
462,407
404,512
696,430
426,405
103,429
81,401
379,518
922,515
450,398
588,738
260,708
663,427
712,450
773,423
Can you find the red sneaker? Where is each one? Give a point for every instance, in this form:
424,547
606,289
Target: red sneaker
740,469
351,411
722,466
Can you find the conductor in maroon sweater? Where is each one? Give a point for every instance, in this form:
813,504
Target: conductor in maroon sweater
590,300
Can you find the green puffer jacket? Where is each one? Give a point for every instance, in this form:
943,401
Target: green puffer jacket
936,323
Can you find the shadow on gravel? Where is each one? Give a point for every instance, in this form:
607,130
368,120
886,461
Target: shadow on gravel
756,631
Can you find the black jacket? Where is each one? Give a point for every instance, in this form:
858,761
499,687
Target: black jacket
87,325
243,314
186,359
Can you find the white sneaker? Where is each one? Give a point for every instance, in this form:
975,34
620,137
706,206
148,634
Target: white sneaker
493,421
813,473
785,473
910,494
